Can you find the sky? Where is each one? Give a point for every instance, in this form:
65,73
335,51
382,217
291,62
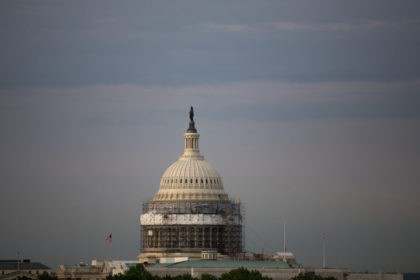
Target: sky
309,110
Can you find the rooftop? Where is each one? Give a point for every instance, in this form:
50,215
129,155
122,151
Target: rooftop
224,264
15,265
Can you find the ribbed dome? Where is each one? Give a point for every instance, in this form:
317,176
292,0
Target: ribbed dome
191,177
191,169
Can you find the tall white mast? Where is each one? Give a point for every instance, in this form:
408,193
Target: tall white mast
284,236
284,240
323,250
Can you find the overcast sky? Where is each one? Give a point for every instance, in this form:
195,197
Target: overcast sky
309,110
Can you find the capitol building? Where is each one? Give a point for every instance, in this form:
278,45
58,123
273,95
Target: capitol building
190,216
191,226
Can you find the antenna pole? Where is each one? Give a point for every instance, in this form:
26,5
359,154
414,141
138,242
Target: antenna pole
18,262
323,250
284,236
284,241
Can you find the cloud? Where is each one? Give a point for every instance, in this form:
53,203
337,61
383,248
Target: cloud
343,25
227,27
62,45
131,104
365,25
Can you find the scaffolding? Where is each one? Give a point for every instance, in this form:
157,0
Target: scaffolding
177,227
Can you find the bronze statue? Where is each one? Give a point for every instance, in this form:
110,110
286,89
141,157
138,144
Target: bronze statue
191,127
192,114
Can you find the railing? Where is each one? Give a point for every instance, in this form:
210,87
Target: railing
221,208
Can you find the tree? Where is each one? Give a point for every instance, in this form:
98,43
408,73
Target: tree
46,276
137,272
206,276
243,274
311,276
23,278
184,277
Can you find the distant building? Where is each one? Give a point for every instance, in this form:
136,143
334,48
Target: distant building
276,270
97,270
287,257
191,212
14,269
375,276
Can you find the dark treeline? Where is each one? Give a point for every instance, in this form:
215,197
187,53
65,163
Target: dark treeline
138,272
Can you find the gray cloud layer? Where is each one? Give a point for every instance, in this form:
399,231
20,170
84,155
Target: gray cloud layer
189,43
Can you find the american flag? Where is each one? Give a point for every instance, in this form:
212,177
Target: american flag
109,238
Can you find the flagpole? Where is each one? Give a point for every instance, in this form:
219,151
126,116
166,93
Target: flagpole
109,240
110,251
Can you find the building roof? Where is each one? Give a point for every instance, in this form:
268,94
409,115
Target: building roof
77,266
22,265
223,264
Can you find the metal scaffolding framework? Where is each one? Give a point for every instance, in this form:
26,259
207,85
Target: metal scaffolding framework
176,227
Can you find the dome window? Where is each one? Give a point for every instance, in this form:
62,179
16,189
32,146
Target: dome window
180,180
201,181
207,181
191,180
196,181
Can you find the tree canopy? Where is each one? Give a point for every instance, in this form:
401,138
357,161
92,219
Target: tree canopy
311,276
243,273
138,272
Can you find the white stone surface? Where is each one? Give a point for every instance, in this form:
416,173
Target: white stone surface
191,177
152,218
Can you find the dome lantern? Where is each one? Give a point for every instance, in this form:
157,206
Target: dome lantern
191,147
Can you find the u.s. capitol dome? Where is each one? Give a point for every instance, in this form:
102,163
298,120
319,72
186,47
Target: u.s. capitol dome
191,212
191,177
